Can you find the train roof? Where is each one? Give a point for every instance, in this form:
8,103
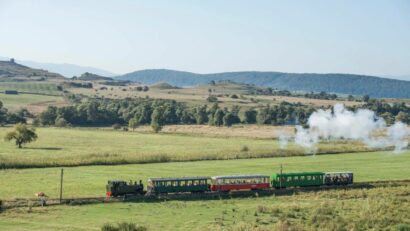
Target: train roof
180,178
240,176
299,174
338,172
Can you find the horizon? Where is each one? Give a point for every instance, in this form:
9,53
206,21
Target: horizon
213,37
3,58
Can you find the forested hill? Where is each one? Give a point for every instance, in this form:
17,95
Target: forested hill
337,83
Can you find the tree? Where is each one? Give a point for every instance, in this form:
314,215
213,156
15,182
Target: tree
403,117
21,134
388,117
133,123
218,118
212,99
61,122
366,98
250,116
157,121
3,113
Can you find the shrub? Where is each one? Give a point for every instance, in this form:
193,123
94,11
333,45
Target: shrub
61,122
244,148
212,99
123,226
116,126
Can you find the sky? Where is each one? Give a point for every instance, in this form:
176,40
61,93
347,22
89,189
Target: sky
369,37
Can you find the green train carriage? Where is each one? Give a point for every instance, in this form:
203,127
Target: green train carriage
300,179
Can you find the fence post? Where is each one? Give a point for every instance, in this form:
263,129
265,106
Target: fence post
61,186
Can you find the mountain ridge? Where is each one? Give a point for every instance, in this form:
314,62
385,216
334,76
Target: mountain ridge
330,82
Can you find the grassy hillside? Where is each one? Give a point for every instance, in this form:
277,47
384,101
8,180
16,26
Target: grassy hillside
11,69
92,77
338,83
73,147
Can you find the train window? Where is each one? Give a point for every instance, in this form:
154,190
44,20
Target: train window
302,177
182,183
168,183
308,177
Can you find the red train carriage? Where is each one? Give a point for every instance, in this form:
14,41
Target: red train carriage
240,182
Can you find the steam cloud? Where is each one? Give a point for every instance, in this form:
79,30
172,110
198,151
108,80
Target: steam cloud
344,124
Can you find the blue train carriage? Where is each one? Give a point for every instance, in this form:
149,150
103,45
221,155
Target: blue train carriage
338,178
299,179
179,185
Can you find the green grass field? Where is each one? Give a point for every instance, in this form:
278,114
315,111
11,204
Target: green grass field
74,147
368,209
31,87
90,180
34,103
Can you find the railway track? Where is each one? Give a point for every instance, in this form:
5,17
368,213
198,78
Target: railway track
7,204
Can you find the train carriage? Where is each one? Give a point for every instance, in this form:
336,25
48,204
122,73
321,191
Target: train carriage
178,185
239,182
338,178
300,179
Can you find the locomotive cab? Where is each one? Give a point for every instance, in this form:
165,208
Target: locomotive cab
120,188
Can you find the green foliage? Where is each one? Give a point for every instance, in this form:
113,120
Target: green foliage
388,117
250,116
133,123
21,134
212,99
60,122
403,117
157,120
123,226
116,126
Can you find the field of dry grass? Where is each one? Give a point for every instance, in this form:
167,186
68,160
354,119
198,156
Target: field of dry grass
249,131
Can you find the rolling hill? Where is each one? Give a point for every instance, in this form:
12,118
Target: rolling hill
87,76
65,69
11,69
336,83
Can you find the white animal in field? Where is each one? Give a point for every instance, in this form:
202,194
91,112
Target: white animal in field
40,194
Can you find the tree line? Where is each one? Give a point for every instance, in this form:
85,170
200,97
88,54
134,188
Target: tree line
160,112
7,117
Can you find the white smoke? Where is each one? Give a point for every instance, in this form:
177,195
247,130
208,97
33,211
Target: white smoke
344,124
283,141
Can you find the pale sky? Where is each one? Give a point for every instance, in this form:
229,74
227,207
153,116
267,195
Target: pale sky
362,37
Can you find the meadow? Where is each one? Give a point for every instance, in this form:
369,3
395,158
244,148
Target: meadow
93,146
49,88
33,102
90,180
353,209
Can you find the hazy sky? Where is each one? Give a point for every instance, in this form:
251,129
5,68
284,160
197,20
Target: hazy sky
364,37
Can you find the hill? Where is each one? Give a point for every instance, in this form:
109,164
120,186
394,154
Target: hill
65,69
11,69
336,83
163,86
92,77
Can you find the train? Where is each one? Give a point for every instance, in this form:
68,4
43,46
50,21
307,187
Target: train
251,182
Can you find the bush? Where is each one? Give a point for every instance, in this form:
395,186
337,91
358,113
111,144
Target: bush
403,227
244,148
123,226
212,99
116,126
61,122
